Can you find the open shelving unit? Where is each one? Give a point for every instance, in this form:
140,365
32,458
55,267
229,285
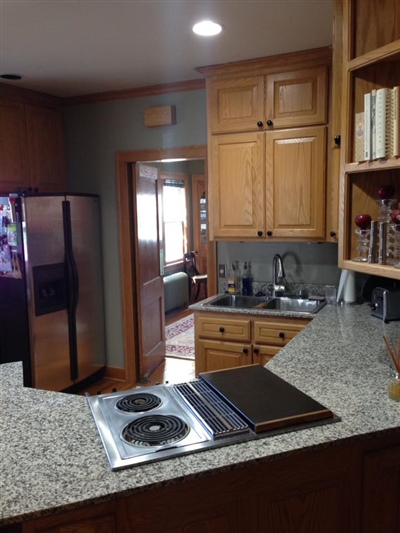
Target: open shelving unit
371,60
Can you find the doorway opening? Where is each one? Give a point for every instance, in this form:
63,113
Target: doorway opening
132,312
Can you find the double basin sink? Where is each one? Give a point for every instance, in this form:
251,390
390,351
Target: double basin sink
282,303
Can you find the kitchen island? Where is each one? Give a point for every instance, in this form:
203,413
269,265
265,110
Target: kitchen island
337,477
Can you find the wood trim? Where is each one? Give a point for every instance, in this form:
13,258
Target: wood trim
124,160
271,64
115,373
151,90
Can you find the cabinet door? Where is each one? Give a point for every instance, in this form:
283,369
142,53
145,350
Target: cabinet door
297,98
276,334
236,184
236,104
222,328
263,354
46,148
381,496
295,183
13,146
218,355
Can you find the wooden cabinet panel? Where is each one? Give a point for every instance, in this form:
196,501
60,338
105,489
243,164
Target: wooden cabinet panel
237,190
13,146
46,148
279,333
236,104
95,519
381,491
223,328
295,183
217,355
297,98
241,341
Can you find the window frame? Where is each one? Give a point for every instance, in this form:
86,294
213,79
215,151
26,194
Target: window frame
177,176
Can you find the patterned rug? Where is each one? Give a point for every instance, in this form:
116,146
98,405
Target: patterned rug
179,339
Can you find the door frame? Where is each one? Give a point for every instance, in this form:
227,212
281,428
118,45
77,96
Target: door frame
124,160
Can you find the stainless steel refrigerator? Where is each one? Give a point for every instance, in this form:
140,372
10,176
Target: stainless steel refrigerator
51,288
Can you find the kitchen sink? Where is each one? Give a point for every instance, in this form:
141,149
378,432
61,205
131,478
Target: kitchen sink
236,300
284,304
294,305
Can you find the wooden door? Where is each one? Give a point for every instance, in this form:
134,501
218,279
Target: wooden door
149,264
297,98
236,104
14,171
236,186
295,183
199,209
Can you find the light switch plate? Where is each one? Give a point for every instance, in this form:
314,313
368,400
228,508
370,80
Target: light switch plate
222,271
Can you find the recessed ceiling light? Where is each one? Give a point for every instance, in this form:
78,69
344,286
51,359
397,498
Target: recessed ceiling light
11,76
207,28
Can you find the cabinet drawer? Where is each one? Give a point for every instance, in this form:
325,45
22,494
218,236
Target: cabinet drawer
223,329
277,334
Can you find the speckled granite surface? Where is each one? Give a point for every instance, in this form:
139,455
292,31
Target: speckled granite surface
52,457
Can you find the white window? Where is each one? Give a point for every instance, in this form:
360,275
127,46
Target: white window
174,220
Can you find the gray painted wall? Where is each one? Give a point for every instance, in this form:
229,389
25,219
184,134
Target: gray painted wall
95,132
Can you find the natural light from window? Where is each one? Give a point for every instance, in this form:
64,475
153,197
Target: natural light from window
174,216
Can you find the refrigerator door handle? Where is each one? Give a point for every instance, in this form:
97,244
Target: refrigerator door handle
72,289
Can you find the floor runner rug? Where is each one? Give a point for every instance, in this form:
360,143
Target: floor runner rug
179,339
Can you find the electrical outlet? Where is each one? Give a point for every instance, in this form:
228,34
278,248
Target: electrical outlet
222,271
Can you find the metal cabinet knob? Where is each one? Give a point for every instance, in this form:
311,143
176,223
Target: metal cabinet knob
270,123
281,335
245,351
260,124
256,351
259,233
269,233
221,329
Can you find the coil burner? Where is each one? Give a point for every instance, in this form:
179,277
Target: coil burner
137,403
155,430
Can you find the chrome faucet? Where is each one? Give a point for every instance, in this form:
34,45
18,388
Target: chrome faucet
279,282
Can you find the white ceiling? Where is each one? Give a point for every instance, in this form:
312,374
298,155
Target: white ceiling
75,47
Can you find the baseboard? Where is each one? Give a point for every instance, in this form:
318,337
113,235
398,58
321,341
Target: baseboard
116,373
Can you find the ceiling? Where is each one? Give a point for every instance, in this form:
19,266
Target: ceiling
75,47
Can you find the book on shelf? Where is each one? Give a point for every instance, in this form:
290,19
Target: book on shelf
367,127
359,129
381,125
382,111
394,117
373,124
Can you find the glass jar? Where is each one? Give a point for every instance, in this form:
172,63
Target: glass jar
394,387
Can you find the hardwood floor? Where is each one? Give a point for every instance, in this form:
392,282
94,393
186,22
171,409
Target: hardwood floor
172,370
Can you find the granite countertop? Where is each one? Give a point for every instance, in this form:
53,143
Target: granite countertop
52,457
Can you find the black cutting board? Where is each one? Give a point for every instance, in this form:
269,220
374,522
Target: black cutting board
265,400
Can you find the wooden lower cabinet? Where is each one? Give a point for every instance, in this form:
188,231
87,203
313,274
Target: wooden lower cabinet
223,342
382,491
351,487
99,518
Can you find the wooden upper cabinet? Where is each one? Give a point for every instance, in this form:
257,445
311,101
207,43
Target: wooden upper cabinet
282,100
295,183
32,152
297,98
13,146
236,104
237,196
46,148
267,121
